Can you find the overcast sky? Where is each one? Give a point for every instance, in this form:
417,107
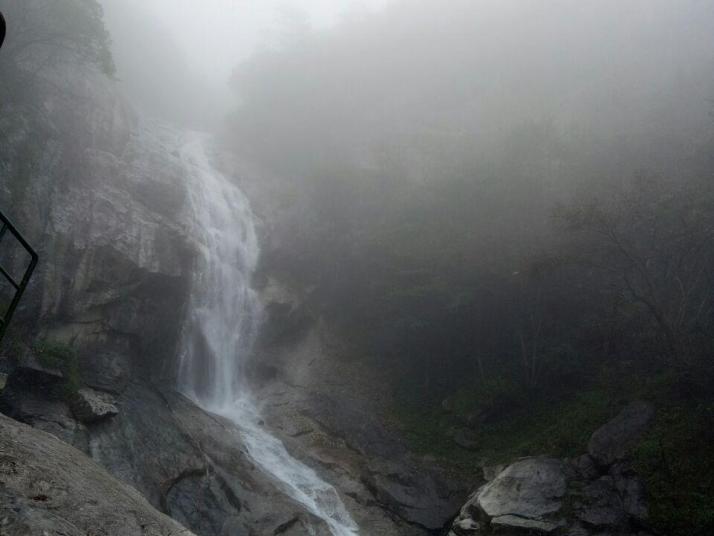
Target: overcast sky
222,32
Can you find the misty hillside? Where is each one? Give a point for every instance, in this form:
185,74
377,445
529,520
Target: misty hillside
367,267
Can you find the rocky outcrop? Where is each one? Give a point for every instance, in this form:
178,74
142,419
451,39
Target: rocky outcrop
91,406
101,196
35,394
48,487
185,462
579,497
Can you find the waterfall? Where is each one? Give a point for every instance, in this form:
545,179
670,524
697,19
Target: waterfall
224,316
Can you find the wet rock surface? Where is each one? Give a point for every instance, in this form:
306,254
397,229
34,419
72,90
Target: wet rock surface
580,497
336,427
193,466
48,487
106,203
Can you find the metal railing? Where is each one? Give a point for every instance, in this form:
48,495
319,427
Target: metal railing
18,286
5,226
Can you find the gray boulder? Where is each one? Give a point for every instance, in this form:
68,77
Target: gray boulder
613,441
48,487
91,406
530,489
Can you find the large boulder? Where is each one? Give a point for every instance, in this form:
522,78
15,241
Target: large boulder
48,487
612,441
530,489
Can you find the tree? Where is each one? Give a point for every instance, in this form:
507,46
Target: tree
654,241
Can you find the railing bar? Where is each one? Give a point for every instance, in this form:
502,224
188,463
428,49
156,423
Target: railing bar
18,236
19,289
9,278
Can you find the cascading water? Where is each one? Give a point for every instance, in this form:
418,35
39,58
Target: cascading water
221,326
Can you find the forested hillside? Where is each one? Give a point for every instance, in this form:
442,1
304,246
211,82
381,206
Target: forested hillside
515,227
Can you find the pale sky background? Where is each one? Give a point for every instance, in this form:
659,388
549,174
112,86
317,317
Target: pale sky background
226,31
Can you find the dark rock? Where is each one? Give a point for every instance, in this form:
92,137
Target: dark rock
631,491
613,441
465,439
28,364
415,495
42,405
586,467
490,472
600,505
106,371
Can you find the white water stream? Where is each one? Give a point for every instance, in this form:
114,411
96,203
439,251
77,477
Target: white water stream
224,316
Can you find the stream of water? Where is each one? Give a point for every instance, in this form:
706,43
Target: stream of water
224,317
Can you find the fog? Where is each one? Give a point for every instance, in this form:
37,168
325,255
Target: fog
438,178
402,235
169,52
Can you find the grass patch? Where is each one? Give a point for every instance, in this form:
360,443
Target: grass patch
677,464
539,427
675,459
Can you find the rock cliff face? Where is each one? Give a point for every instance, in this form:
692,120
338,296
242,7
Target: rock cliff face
101,197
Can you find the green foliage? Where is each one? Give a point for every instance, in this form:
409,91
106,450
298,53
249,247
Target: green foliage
558,428
62,357
677,463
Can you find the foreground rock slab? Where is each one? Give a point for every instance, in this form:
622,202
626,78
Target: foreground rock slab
49,488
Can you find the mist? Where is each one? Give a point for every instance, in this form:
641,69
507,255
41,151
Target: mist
177,59
358,267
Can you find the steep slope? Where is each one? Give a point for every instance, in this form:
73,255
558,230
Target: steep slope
47,487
